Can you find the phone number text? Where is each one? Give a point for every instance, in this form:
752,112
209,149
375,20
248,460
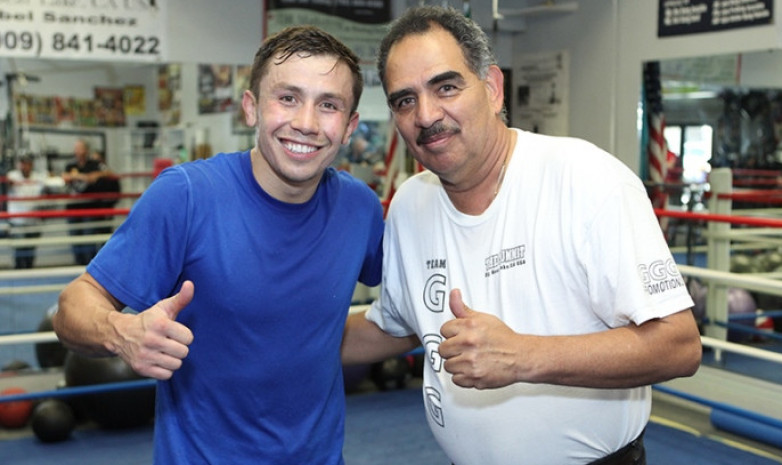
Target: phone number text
37,44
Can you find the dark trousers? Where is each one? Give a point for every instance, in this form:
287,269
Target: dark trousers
83,253
25,256
632,454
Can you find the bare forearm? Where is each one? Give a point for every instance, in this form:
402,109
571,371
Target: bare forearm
619,358
84,317
364,342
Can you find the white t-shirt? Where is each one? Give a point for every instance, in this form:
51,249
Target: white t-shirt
20,186
583,253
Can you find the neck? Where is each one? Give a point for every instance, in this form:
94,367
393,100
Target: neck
476,199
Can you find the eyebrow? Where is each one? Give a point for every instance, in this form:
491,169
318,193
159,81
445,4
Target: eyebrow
324,96
442,77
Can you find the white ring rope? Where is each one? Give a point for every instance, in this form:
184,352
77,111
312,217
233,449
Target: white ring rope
54,272
55,240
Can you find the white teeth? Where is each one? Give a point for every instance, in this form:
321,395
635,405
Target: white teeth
300,148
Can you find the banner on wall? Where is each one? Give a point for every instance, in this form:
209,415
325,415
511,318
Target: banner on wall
681,17
360,24
85,30
541,85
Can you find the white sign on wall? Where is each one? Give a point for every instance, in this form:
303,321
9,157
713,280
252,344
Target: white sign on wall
541,82
113,30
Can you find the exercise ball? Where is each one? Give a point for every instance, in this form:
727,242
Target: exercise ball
740,305
698,292
53,421
14,414
110,409
49,354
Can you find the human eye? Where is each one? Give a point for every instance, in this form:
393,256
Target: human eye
287,99
330,106
403,103
448,89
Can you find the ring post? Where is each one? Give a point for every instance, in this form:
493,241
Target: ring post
718,254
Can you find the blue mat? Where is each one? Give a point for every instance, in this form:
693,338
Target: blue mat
385,428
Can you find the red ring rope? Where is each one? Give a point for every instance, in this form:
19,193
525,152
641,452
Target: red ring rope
746,220
85,196
67,213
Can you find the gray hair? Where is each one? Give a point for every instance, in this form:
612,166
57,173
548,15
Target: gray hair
417,20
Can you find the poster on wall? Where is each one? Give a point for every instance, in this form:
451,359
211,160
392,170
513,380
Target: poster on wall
541,83
170,93
215,89
110,106
135,100
241,83
681,17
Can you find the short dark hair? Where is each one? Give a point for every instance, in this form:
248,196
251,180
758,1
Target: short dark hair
304,41
418,20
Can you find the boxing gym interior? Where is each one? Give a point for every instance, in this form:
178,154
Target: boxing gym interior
690,102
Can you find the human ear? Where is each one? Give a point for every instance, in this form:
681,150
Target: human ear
250,108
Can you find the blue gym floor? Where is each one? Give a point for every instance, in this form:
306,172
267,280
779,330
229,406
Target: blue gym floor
382,428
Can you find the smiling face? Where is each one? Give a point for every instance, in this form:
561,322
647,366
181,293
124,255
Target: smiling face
302,116
447,115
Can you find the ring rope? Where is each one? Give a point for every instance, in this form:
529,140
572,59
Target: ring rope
63,226
34,289
55,240
732,219
66,213
83,196
54,272
766,420
81,390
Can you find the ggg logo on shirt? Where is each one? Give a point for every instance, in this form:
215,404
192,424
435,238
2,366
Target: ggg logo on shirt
660,276
434,293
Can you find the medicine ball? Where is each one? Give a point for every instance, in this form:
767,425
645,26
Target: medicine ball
53,421
49,354
14,414
110,409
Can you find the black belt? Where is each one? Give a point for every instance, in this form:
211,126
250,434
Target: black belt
631,454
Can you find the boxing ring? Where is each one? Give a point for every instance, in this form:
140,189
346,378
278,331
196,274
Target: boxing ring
748,406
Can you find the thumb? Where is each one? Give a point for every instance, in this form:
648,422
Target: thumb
174,304
458,308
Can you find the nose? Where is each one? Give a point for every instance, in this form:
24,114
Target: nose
305,119
428,111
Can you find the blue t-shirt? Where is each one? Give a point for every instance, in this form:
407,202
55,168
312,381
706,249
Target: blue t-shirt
262,383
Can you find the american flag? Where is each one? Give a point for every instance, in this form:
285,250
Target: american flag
657,149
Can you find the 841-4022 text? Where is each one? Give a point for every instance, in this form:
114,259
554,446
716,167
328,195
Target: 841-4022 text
114,44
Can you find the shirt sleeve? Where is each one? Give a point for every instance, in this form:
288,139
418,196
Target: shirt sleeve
632,274
143,260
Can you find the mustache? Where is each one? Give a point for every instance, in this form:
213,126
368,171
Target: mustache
434,130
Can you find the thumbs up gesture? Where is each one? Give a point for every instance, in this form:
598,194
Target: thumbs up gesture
154,343
480,350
